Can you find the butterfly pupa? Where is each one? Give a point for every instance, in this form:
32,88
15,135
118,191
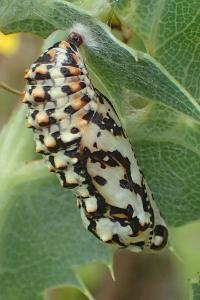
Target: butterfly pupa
79,133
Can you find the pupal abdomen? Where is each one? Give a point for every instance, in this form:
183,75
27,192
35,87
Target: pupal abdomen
78,132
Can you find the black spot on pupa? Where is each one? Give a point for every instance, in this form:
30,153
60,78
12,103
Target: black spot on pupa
34,113
135,226
73,46
101,206
111,162
86,98
92,225
116,239
66,89
39,99
45,76
35,66
124,184
56,134
101,99
82,84
73,142
52,120
65,72
129,210
74,130
46,88
139,244
100,180
50,111
72,153
162,232
69,110
88,116
51,160
45,58
125,217
41,138
97,119
54,46
49,67
86,151
78,169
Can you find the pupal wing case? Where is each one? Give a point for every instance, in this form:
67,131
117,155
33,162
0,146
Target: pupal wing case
81,137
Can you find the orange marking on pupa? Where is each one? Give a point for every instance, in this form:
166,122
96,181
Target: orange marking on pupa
59,163
38,93
41,69
26,98
77,103
42,118
64,45
75,86
27,73
74,71
52,54
51,168
49,141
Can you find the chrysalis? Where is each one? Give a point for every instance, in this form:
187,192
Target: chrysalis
81,137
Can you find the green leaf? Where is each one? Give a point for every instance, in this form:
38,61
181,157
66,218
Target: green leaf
98,8
170,31
64,293
185,241
196,291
